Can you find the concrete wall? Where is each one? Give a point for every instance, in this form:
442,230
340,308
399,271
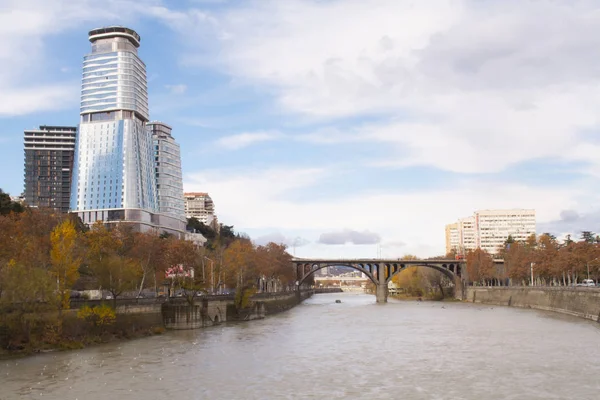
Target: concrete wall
264,304
181,315
580,302
206,311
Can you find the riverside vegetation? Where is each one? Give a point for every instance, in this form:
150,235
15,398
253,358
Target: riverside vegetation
47,256
553,263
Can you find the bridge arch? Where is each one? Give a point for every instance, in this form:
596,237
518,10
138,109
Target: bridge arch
318,266
381,271
451,270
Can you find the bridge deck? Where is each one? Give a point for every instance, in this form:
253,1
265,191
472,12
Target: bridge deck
379,260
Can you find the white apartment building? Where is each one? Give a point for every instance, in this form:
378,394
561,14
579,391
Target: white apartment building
200,206
467,234
452,238
495,226
489,229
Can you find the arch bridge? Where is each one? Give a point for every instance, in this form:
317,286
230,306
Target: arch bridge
379,271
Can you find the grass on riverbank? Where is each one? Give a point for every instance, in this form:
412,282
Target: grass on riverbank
407,297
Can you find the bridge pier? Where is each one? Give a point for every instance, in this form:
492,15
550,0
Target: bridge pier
381,292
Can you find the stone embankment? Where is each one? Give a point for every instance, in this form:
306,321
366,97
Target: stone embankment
207,311
579,301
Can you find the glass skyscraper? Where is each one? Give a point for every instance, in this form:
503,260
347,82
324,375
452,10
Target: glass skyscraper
169,185
114,171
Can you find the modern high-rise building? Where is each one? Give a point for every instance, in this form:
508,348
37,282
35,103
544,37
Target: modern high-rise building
114,171
169,184
200,206
489,229
49,153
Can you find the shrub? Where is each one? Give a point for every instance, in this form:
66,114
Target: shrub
99,316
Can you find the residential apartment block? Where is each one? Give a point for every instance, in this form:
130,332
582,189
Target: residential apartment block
467,234
494,226
200,206
452,238
49,153
489,229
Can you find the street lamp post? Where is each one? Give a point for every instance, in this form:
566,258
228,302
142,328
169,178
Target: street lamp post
212,275
296,242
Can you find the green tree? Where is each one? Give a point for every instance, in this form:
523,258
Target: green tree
7,205
197,226
588,236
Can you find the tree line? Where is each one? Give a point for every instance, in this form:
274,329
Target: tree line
65,255
46,257
552,262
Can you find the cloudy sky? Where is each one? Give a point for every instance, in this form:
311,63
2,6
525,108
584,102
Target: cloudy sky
348,128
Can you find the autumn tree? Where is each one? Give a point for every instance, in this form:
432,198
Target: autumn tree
183,262
107,256
238,261
436,280
26,302
546,259
148,252
273,264
65,260
517,258
480,266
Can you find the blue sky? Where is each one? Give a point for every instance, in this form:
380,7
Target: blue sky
369,123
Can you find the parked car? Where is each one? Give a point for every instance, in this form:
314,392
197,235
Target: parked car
588,283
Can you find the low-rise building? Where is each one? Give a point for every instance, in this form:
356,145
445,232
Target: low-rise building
199,205
197,239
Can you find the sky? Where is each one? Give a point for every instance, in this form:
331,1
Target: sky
342,128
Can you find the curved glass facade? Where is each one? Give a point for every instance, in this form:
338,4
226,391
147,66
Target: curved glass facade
114,156
114,78
169,185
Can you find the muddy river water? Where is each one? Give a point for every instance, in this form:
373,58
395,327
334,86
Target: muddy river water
321,349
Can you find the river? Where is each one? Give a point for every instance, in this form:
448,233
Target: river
356,349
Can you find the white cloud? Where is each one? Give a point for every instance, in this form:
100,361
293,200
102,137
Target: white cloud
279,238
176,89
25,25
258,200
349,236
252,184
498,83
19,101
238,141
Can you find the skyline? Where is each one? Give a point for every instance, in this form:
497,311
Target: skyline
307,129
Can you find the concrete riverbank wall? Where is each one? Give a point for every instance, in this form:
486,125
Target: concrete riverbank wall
580,302
265,304
214,310
204,313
